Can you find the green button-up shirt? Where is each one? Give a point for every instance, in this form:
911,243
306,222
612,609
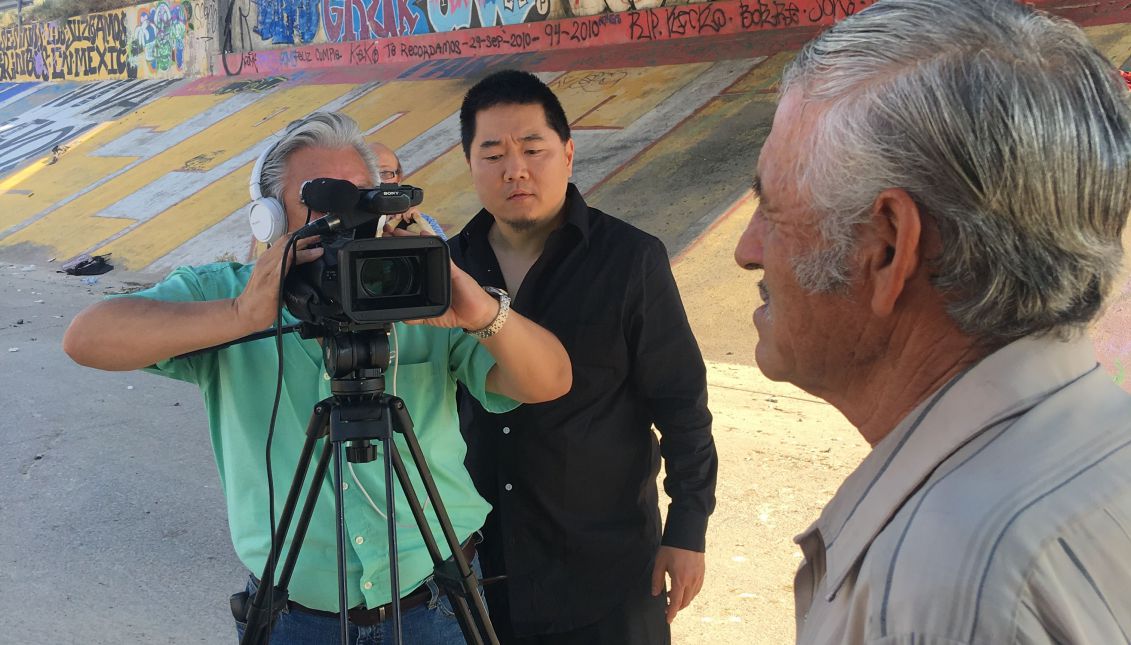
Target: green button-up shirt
238,384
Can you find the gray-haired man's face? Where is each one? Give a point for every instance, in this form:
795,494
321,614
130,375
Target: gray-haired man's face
313,163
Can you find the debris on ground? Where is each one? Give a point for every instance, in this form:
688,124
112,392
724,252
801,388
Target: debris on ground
86,264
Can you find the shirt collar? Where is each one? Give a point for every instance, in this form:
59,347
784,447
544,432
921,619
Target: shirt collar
1005,383
576,216
576,212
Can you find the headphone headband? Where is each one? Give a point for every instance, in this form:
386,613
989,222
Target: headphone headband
267,215
255,185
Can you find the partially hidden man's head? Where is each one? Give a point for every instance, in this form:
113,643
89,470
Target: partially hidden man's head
323,144
389,169
517,143
1001,127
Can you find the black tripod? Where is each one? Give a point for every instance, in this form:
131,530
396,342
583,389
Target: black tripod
359,412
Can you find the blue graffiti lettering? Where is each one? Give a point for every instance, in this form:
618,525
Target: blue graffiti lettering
352,20
287,21
450,15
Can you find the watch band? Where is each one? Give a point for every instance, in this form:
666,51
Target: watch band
500,318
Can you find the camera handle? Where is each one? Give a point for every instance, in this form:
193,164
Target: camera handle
359,412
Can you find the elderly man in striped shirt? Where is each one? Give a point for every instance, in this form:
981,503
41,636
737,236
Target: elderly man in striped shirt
942,196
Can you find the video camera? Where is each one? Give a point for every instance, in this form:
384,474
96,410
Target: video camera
362,282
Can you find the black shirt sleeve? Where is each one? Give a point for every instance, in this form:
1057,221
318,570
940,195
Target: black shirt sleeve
669,374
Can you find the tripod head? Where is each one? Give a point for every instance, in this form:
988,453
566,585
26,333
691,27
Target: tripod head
356,361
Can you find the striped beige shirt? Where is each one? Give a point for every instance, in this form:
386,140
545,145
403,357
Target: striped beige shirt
998,511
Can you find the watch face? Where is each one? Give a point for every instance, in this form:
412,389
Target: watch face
495,291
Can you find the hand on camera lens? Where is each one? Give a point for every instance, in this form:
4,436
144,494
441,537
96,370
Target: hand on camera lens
472,307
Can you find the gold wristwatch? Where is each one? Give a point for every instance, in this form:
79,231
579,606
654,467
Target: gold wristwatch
500,318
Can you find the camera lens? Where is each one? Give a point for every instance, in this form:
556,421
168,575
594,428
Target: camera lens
389,276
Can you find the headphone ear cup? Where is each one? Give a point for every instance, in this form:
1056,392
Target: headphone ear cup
268,219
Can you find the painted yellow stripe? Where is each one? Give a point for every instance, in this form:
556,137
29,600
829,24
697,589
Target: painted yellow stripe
726,131
77,227
634,92
423,104
21,178
765,75
1114,41
161,235
79,168
449,195
714,288
24,175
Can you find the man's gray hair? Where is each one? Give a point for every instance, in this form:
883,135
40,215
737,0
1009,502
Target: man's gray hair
1007,128
331,130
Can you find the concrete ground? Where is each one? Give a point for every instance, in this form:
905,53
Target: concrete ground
113,525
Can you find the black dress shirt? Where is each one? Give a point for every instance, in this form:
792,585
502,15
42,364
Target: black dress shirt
573,481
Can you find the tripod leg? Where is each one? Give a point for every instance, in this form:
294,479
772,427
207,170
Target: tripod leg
471,633
402,423
304,518
260,616
343,595
390,505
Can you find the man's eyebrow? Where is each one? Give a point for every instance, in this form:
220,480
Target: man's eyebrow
490,143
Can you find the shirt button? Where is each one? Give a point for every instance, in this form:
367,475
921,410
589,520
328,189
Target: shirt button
359,540
326,376
506,430
368,585
345,485
508,487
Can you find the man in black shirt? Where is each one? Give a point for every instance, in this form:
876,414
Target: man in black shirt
576,524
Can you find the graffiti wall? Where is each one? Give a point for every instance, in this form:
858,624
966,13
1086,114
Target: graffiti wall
155,40
269,24
351,33
281,36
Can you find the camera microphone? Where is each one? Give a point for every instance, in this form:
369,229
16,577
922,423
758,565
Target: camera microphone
350,209
329,195
336,197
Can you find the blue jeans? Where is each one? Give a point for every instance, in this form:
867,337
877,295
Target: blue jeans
433,623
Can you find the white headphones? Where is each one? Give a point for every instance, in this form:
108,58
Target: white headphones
267,216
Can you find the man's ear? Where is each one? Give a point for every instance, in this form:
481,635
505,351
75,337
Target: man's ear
569,156
895,251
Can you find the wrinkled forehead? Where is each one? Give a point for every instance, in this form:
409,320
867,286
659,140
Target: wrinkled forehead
335,163
792,130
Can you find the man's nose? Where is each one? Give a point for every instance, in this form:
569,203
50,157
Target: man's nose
516,168
748,252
